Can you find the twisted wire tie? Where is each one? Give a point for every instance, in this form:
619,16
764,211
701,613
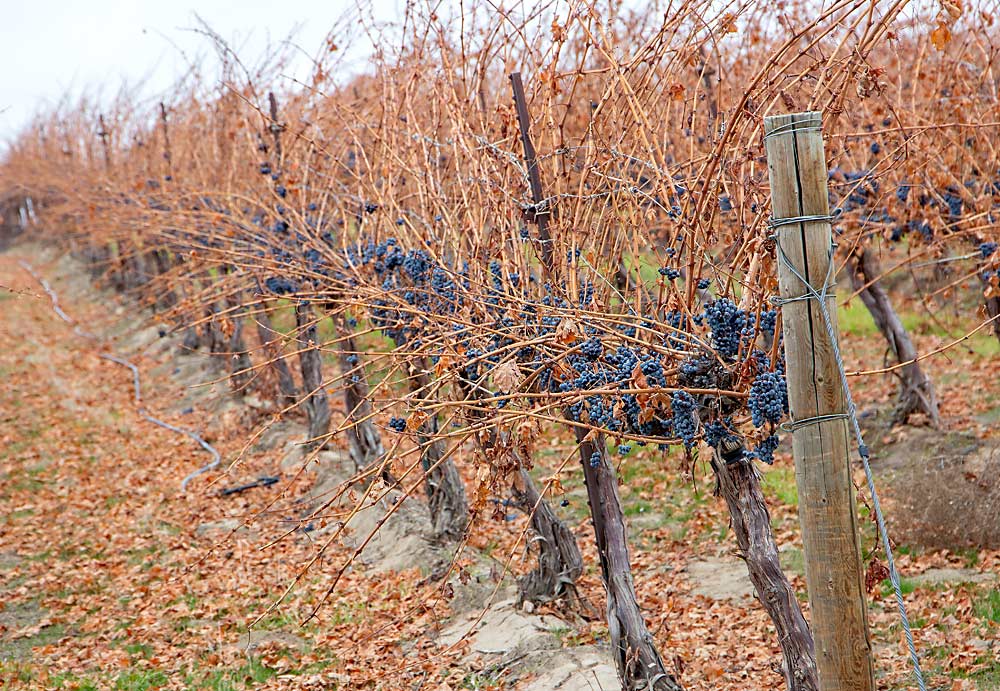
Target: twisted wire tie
815,125
777,222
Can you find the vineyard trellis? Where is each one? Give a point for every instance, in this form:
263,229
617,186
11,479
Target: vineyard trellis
590,257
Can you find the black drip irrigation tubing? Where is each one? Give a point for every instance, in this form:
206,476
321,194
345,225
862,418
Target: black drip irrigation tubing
140,408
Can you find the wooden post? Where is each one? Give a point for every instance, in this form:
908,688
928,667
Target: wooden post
834,574
103,133
166,142
539,215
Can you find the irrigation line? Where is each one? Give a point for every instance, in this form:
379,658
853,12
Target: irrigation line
216,458
140,408
55,302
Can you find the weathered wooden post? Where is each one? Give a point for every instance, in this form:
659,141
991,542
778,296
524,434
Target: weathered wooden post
539,214
834,575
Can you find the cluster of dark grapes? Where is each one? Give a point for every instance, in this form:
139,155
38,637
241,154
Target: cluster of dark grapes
727,322
768,320
624,413
953,200
863,188
768,405
768,401
279,285
421,298
685,420
719,431
764,451
950,203
681,325
616,370
416,289
912,226
592,348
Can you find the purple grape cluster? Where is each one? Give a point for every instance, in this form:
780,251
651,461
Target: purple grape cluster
279,285
685,420
768,400
764,451
954,201
592,348
726,321
718,431
767,321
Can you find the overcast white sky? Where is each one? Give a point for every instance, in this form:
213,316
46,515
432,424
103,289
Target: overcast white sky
57,46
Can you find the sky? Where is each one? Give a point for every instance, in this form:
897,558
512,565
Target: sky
55,47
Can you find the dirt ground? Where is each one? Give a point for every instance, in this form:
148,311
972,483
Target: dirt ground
113,578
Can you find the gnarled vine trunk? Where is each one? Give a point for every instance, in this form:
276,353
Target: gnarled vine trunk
160,259
271,343
240,367
316,401
213,337
992,305
636,657
446,496
136,275
740,487
191,340
364,441
560,562
916,393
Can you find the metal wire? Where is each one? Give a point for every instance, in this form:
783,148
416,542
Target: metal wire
776,222
790,128
821,298
793,425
